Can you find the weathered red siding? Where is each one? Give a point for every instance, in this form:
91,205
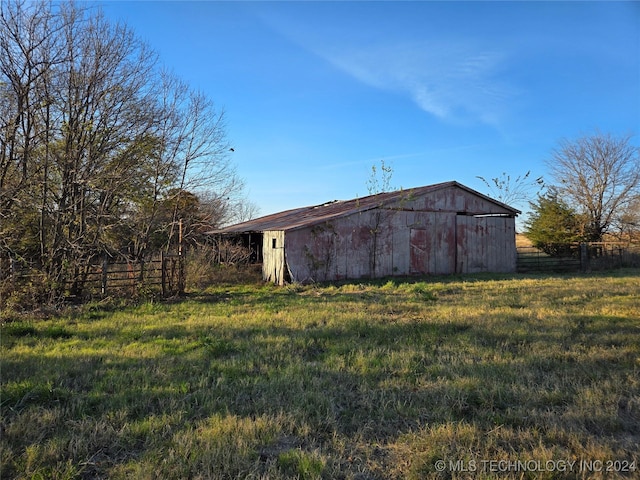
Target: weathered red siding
399,242
440,229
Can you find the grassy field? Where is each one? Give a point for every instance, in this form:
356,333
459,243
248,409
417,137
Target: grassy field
521,376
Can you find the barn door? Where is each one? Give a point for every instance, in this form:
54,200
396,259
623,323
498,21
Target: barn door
485,244
432,245
419,251
273,257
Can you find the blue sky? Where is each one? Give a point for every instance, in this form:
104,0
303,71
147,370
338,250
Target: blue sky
316,93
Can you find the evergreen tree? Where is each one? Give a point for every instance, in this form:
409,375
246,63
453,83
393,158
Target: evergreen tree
553,226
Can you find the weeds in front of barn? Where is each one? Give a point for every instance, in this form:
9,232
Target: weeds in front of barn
360,380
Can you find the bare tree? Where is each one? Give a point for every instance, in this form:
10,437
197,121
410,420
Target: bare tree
241,210
28,54
195,143
220,211
379,181
599,176
513,191
99,149
626,225
105,113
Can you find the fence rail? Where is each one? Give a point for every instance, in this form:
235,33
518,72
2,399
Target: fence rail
579,257
163,271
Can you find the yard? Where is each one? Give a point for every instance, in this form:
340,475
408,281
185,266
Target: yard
485,376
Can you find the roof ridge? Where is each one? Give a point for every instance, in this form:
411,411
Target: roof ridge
305,216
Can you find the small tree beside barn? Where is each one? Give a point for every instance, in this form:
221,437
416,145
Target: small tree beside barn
439,229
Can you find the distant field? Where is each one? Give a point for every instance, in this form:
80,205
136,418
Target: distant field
513,376
522,241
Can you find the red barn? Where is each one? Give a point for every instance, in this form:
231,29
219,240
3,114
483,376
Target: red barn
437,229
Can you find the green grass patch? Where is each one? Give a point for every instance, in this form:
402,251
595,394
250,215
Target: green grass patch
381,380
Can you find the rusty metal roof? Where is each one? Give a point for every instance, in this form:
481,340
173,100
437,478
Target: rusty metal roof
307,216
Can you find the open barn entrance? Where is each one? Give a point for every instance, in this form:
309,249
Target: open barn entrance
239,248
253,242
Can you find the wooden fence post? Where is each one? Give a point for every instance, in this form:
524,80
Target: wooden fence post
584,257
620,256
163,274
181,274
181,279
105,276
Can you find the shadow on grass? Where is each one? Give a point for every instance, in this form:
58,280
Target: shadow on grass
363,289
358,382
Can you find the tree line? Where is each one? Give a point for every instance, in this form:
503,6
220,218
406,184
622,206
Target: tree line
595,197
594,193
103,151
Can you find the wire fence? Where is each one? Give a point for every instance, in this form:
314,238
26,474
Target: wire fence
165,274
578,257
162,272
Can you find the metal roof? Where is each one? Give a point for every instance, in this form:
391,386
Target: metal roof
306,216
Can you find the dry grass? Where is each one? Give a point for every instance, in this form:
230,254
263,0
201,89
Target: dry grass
522,241
501,376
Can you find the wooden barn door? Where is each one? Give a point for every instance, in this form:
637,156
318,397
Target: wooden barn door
432,246
485,244
419,245
273,258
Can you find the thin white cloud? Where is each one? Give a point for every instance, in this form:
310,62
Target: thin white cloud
456,82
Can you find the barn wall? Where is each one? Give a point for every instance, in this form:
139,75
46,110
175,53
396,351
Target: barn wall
334,250
373,244
486,244
450,199
417,236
